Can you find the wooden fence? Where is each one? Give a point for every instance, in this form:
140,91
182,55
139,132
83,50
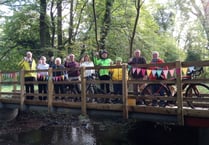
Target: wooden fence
175,74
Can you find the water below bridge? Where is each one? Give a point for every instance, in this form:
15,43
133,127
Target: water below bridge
62,129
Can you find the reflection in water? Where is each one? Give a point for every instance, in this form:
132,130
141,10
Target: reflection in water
66,135
108,133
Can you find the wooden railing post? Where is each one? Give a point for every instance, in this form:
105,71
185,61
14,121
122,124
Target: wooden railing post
15,79
50,90
22,89
180,111
125,91
83,92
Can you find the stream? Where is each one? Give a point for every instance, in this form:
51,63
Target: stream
35,128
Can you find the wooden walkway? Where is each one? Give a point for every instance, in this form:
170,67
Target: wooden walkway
179,113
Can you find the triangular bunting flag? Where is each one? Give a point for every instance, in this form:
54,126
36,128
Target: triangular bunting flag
63,77
191,68
138,70
184,70
159,73
153,72
133,70
148,72
165,73
143,72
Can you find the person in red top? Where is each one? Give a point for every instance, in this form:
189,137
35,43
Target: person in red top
156,87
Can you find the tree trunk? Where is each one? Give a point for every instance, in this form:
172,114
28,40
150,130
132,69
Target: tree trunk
79,19
106,23
44,29
70,31
59,25
52,24
138,6
95,24
42,22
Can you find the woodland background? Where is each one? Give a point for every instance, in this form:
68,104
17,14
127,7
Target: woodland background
178,29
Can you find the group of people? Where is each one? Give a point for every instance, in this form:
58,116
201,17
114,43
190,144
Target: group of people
73,72
138,59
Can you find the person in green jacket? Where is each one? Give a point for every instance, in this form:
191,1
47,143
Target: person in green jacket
104,74
28,64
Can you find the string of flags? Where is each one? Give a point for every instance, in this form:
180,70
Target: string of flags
58,78
46,77
13,75
158,72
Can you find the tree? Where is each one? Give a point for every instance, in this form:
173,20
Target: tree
106,23
191,11
138,7
59,25
44,28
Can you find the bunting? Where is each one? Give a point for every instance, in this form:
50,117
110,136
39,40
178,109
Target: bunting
59,78
184,70
138,70
159,72
143,71
44,77
191,69
13,75
149,72
165,72
172,72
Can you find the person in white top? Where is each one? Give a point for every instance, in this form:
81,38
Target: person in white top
86,62
42,76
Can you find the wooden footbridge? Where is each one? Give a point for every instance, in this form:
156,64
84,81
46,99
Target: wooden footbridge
178,111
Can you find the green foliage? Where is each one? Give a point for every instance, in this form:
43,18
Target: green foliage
154,32
193,55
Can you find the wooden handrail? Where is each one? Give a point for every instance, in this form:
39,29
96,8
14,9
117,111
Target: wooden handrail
125,108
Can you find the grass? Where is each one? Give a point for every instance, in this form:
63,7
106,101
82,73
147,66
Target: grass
9,88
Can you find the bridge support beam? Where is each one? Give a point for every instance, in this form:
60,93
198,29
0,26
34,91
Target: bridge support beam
180,115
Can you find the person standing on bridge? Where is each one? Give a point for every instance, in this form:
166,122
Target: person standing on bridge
117,75
158,76
73,74
42,76
135,74
104,74
29,65
86,62
58,75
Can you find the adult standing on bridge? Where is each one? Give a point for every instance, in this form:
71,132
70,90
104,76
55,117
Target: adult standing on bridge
104,74
73,74
117,75
58,75
86,62
28,64
42,77
135,74
158,76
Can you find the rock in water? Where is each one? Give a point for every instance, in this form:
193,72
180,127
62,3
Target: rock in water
8,114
